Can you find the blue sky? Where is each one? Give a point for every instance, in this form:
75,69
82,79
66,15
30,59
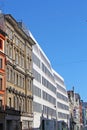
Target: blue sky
60,28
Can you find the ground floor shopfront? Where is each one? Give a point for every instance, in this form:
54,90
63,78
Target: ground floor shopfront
13,120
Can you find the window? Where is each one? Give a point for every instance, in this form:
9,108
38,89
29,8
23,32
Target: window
22,61
9,32
0,103
8,74
29,85
0,44
20,104
27,63
37,75
14,78
0,83
17,80
10,51
17,103
6,47
17,57
23,83
23,105
30,107
14,101
9,102
20,79
11,75
17,41
36,60
0,63
36,106
36,91
22,46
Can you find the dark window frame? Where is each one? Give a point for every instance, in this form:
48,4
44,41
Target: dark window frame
10,102
0,83
0,103
1,44
1,61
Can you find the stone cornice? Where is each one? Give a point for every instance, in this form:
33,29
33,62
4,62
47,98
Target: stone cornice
19,93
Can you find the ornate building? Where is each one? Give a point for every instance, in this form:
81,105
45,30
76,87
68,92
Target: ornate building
75,110
2,75
16,76
84,114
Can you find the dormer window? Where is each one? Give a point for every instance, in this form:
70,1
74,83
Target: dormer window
0,44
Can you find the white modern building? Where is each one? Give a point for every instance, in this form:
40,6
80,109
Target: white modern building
49,92
61,99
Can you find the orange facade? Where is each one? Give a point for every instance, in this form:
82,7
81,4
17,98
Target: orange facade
2,70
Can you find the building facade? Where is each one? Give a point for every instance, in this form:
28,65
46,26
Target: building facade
2,68
84,114
61,100
2,76
18,78
75,110
50,95
26,102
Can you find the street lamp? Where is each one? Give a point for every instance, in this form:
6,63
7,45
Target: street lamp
56,116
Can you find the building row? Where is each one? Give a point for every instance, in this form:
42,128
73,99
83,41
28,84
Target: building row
77,111
31,91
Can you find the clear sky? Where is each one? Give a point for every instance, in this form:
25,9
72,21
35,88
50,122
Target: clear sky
60,28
